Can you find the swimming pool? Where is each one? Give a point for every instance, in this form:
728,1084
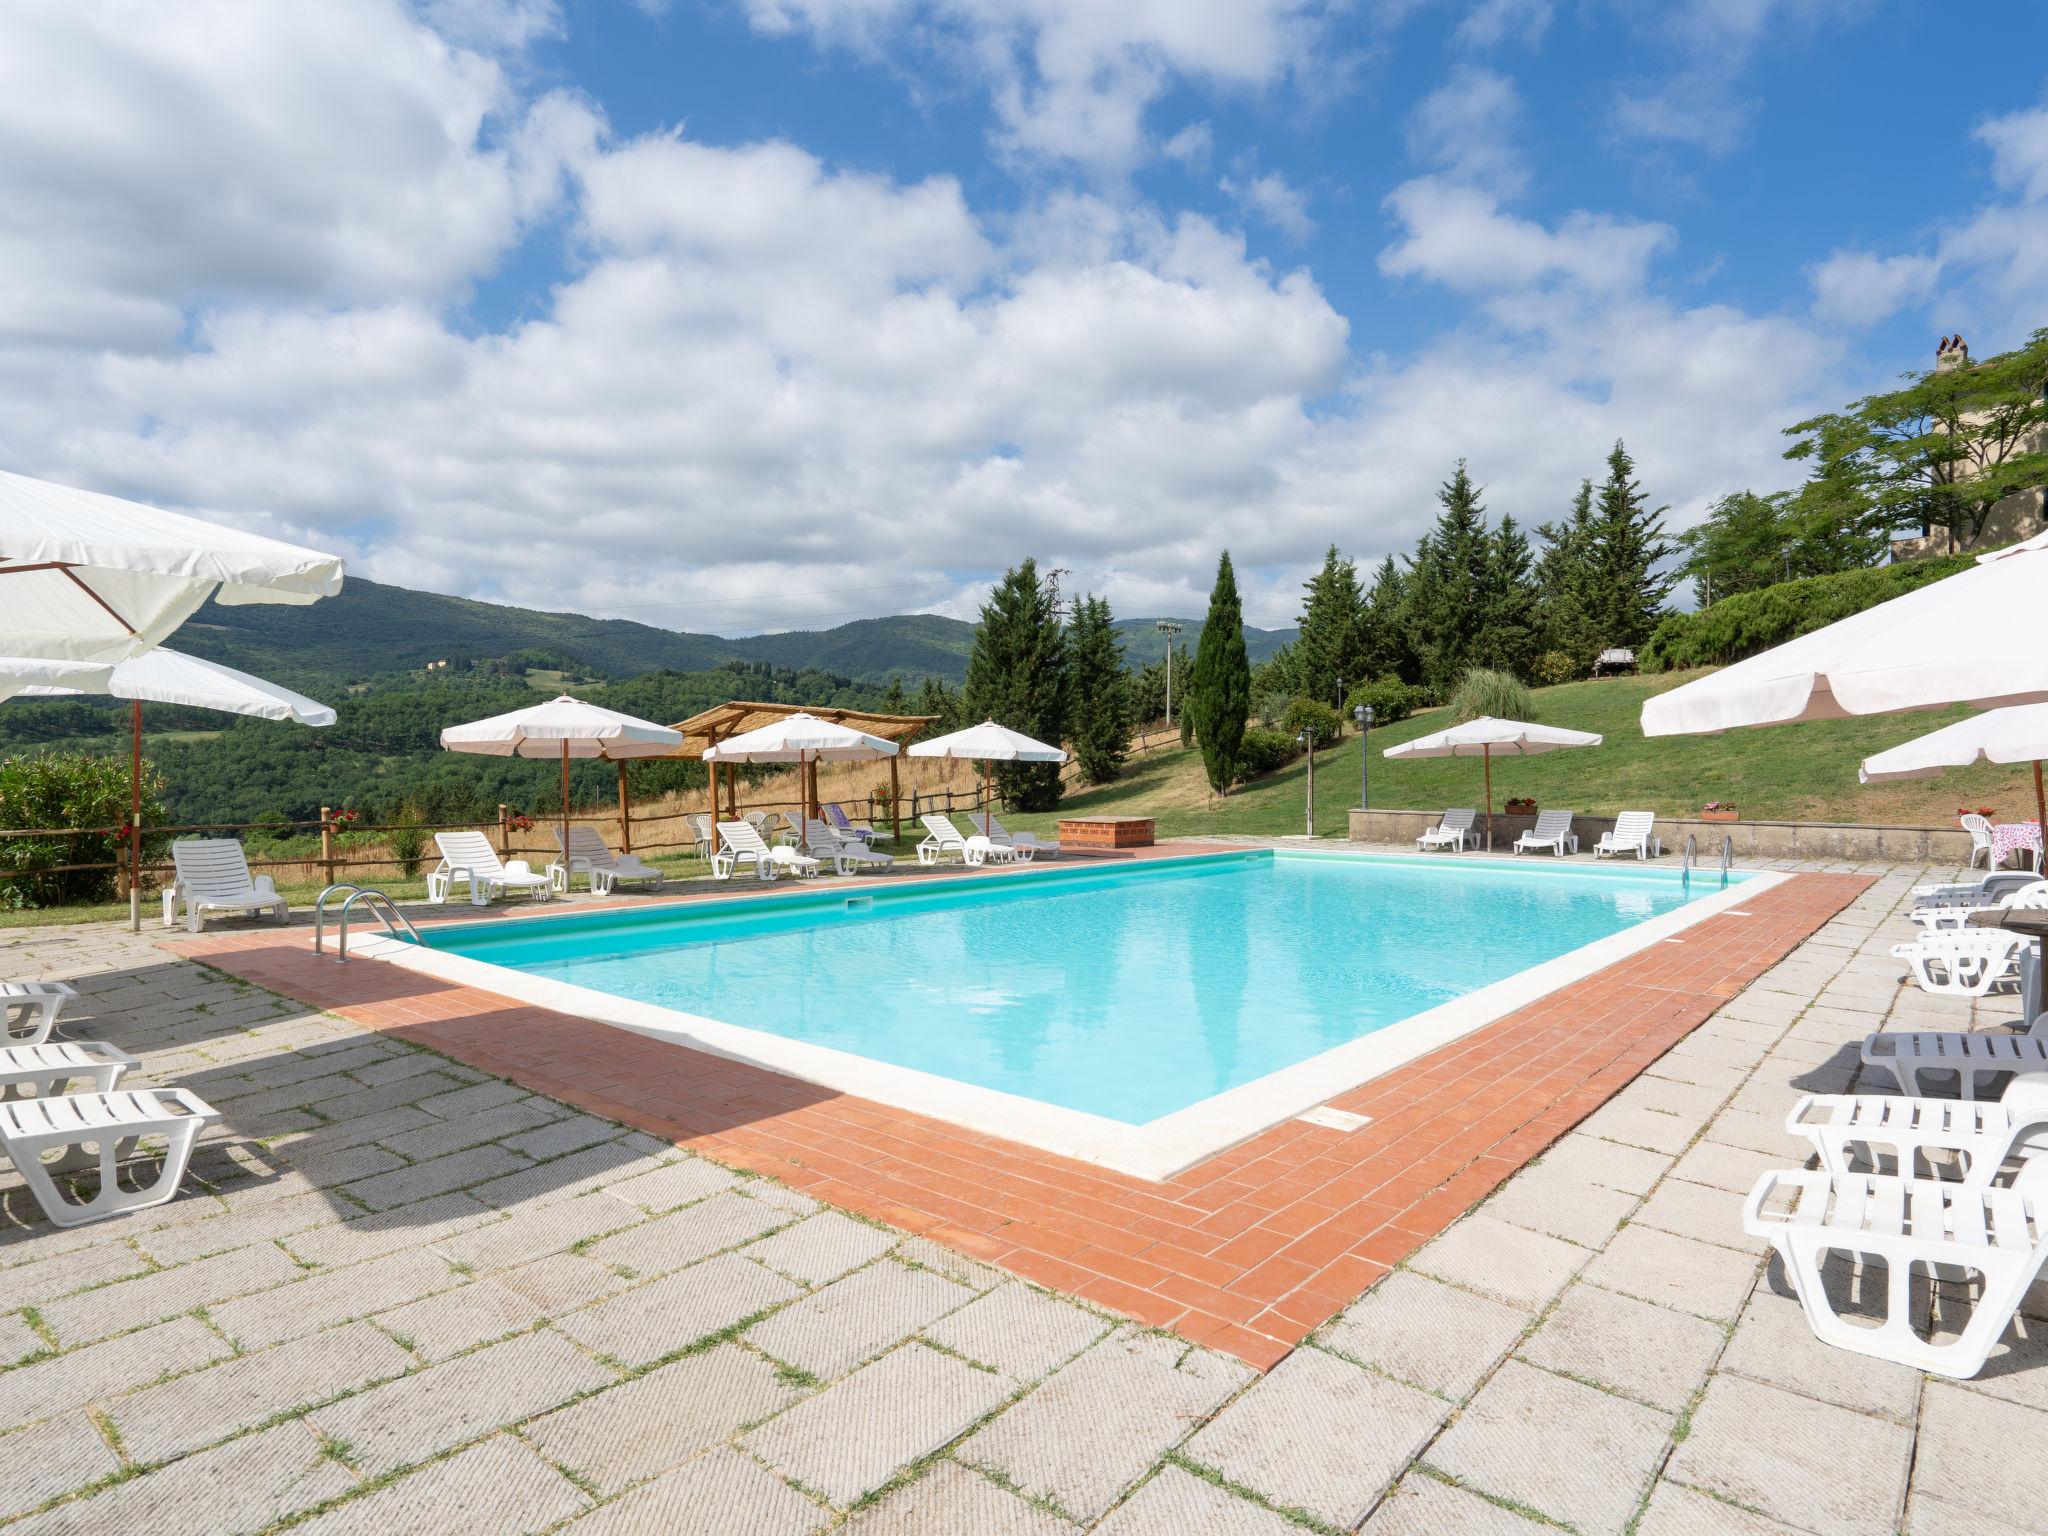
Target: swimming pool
1095,1000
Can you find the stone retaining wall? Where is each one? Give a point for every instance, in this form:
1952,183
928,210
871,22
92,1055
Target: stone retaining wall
1753,839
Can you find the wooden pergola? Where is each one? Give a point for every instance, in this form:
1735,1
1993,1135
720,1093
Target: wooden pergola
721,722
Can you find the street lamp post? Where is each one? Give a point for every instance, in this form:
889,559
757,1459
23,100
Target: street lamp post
1362,713
1169,628
1307,738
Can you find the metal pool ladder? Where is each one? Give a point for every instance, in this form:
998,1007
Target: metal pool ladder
1692,852
376,901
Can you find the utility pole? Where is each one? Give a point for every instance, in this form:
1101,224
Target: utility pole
1169,628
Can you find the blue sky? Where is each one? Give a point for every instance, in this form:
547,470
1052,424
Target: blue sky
763,313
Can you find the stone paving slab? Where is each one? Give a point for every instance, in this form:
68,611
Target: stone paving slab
498,1488
1650,1353
321,1300
854,1319
1427,1506
112,1309
82,1376
949,1500
651,1321
1426,1332
1979,1455
1511,1264
1019,1331
821,1248
53,1457
1177,1503
1675,1272
719,1494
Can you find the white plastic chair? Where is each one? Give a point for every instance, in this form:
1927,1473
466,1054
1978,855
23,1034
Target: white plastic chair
942,838
29,1009
702,834
1987,892
111,1124
48,1070
1981,845
1913,1057
1633,832
2032,895
1981,1136
1553,830
1028,844
743,844
1999,1235
1452,830
606,870
848,854
468,858
1963,962
213,876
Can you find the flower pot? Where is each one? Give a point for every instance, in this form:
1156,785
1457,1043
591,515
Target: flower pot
1720,815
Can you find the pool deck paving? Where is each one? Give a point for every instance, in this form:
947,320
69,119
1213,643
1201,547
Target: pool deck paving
422,1281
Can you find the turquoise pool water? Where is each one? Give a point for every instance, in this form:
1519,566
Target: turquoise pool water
1127,992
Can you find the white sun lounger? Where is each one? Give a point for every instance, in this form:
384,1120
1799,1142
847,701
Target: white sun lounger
1975,1058
1987,892
1982,1134
1633,832
592,855
1453,830
740,842
1912,1225
1966,962
468,858
942,838
48,1070
848,854
213,876
29,1009
110,1123
1553,830
845,826
1027,844
1949,916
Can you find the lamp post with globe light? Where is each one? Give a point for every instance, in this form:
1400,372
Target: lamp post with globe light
1307,738
1362,713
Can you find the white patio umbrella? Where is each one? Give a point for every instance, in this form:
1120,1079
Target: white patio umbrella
1485,736
87,577
165,676
2017,734
988,743
565,728
801,739
1979,637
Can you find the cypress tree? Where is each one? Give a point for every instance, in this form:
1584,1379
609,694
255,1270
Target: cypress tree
1220,698
1017,676
1628,542
1325,658
1101,725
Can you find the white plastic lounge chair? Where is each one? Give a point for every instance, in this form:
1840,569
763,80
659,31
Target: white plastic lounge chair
1553,830
1027,844
784,859
1452,830
1963,962
29,1009
845,826
943,838
1633,832
213,876
1981,1135
740,842
468,858
111,1123
1981,846
2034,894
1911,1224
1989,891
1976,1059
47,1071
592,855
848,854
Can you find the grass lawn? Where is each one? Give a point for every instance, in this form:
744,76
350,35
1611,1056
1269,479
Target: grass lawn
1776,773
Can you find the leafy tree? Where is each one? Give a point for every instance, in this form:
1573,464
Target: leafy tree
1101,725
1147,688
1220,698
1740,546
1628,544
1325,657
70,789
1017,676
1944,450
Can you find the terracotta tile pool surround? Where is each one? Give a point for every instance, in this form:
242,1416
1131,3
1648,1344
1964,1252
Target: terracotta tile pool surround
1246,1252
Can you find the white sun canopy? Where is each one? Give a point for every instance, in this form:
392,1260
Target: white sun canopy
1486,735
800,738
22,674
87,577
562,727
165,676
2018,734
989,743
1979,637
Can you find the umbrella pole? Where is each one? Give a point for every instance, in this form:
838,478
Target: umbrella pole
1488,752
2040,819
565,816
625,812
136,814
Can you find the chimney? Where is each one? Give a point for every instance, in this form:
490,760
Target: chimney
1951,353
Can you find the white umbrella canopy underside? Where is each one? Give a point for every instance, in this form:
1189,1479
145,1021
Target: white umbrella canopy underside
989,743
89,577
1486,735
546,730
1978,637
800,738
42,674
165,676
2018,734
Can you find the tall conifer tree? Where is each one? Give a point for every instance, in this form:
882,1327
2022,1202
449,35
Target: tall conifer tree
1017,676
1325,659
1101,727
1220,695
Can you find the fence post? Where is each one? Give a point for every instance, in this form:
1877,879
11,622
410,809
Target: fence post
504,831
327,844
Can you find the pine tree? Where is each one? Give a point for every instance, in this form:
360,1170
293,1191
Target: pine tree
1383,649
1017,676
893,702
1506,640
1101,726
1220,698
1565,582
1628,543
935,698
1441,614
1325,658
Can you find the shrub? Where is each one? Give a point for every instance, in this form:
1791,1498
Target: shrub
1391,699
1554,667
1482,691
1265,751
1313,715
1272,709
407,840
69,789
1749,622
